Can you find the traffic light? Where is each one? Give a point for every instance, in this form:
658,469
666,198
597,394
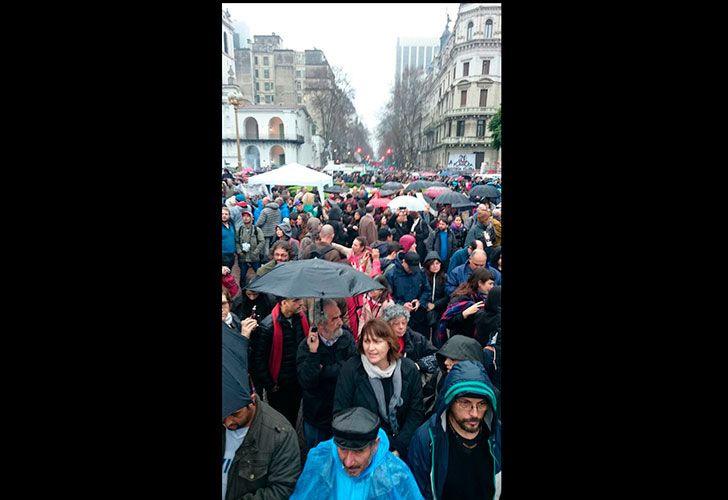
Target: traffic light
389,151
358,150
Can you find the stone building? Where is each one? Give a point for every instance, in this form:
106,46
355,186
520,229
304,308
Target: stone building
464,90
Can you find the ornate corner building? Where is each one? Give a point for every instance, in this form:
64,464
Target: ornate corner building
464,89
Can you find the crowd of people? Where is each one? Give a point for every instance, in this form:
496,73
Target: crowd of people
392,393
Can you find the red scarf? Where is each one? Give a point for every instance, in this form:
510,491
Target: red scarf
276,352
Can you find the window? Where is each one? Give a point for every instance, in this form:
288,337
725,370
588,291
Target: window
454,70
257,86
483,97
266,73
449,128
466,69
267,85
298,99
257,99
298,73
489,28
463,98
469,36
461,128
224,43
486,67
269,98
256,60
256,73
298,85
481,128
265,60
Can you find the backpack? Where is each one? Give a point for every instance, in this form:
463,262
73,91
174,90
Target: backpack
320,253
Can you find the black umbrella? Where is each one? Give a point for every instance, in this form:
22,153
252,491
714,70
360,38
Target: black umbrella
456,200
387,192
418,185
392,186
437,183
484,191
316,278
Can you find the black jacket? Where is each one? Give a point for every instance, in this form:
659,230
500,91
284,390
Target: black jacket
317,375
416,345
268,463
354,389
261,345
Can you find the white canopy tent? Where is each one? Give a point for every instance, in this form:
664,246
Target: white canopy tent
294,174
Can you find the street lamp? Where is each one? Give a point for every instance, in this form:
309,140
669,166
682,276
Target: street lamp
236,99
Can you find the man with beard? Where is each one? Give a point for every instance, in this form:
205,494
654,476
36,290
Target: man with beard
318,362
355,464
456,452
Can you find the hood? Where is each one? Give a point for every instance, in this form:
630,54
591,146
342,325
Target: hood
432,255
493,303
467,377
460,348
272,205
335,213
379,457
286,228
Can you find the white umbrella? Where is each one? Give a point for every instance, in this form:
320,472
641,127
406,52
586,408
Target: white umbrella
410,202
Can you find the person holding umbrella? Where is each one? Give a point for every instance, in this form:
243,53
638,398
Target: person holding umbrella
318,362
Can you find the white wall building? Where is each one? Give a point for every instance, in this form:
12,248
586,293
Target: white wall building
415,53
228,50
269,135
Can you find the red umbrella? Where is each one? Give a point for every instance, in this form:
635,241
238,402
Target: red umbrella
380,202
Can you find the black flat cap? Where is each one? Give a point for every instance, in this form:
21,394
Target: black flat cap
354,428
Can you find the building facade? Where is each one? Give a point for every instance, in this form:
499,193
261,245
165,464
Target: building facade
464,90
416,53
269,135
228,50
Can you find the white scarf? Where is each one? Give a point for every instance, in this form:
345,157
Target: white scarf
229,319
376,372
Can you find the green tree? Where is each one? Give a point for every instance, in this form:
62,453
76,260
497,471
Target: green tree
495,127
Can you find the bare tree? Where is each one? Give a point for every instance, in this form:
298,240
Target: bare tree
399,126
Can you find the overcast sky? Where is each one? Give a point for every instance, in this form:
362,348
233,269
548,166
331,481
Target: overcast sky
361,38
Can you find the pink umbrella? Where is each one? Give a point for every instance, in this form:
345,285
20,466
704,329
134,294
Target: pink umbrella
435,191
379,202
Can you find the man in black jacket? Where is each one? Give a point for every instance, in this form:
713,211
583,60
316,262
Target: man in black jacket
273,356
319,359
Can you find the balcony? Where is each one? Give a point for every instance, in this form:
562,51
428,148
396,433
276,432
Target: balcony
465,141
489,110
298,139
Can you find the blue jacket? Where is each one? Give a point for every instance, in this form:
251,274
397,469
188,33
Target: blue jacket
430,440
324,478
408,286
461,274
228,238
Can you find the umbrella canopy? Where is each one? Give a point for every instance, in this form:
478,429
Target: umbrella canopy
409,202
387,192
417,186
484,191
428,174
336,189
316,278
392,186
437,183
379,202
434,191
456,200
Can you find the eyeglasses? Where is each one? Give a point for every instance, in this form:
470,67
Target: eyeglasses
466,405
225,303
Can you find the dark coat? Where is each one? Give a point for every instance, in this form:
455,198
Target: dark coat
408,286
354,389
317,375
416,346
268,463
261,345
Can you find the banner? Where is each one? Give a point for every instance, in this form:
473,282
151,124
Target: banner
462,162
